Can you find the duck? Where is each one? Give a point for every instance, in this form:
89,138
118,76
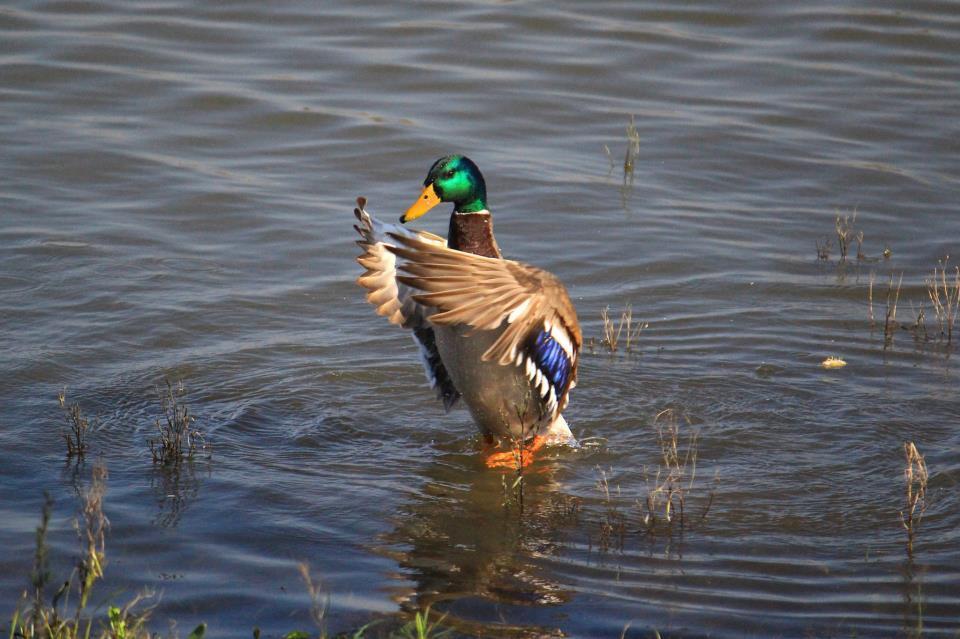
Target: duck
497,335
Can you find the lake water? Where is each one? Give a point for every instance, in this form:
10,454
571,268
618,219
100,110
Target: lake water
176,186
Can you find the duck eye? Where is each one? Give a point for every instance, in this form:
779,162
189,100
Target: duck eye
448,175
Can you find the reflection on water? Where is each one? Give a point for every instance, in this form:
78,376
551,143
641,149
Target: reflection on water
175,487
472,544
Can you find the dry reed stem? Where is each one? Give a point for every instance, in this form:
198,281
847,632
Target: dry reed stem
873,277
890,323
614,523
844,227
675,477
945,296
915,476
92,527
319,603
625,328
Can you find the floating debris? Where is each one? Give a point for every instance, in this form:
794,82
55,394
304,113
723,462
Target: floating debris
833,362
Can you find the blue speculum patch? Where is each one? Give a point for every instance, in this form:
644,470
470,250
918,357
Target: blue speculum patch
552,360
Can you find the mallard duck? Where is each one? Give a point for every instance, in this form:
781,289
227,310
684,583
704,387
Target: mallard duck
502,336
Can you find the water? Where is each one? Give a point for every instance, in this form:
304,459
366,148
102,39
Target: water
177,183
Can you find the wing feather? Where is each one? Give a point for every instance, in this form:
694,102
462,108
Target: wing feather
486,293
395,300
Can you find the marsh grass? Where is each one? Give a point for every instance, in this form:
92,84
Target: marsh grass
77,428
890,317
944,294
613,522
943,291
844,226
915,491
176,438
823,249
624,329
37,618
665,504
420,627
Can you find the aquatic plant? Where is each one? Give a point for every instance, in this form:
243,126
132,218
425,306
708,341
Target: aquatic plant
177,439
420,626
625,328
613,523
915,494
78,426
844,227
666,501
945,297
890,318
847,233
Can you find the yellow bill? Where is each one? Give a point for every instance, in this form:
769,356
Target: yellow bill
427,200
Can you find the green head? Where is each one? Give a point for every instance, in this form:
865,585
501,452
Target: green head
456,179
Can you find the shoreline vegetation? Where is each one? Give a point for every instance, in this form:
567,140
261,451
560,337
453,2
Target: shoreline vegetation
55,608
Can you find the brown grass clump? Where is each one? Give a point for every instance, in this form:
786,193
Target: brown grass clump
177,438
625,328
665,503
915,499
78,426
945,296
844,227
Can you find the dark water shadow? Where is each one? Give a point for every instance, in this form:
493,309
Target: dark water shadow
470,543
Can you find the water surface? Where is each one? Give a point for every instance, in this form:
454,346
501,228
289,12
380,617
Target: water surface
177,183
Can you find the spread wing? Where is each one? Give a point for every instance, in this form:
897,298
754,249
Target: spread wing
394,300
541,335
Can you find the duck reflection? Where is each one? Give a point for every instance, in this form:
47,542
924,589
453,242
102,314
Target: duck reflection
474,542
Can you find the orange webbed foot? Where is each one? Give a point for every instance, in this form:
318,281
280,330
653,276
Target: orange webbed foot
516,456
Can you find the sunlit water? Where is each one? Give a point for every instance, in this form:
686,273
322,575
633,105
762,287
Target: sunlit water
175,192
